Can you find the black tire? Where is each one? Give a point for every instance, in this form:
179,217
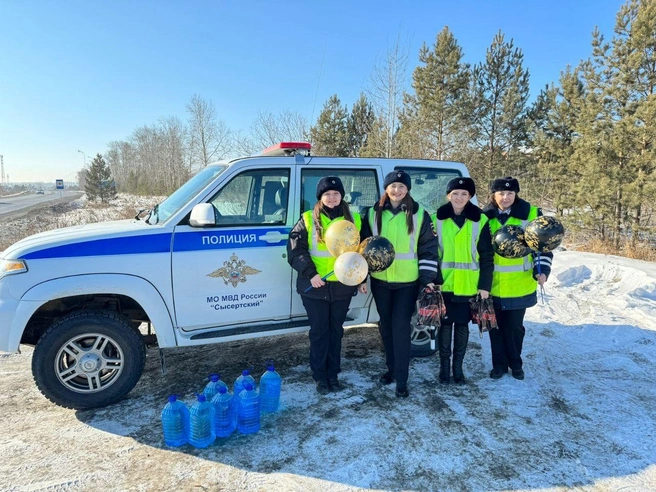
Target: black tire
420,340
88,359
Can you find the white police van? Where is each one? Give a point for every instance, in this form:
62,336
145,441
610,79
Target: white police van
206,265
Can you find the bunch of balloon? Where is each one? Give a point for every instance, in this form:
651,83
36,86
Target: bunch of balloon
541,235
342,240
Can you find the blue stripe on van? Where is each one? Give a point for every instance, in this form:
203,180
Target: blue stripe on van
201,240
128,245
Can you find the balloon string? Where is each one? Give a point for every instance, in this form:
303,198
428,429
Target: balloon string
322,278
540,273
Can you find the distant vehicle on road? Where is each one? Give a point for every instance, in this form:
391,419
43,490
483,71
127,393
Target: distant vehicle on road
40,192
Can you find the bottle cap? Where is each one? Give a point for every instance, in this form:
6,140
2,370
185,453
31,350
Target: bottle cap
223,389
214,377
172,398
245,372
270,368
248,386
201,397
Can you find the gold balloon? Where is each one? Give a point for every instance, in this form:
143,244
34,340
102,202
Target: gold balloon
351,268
341,237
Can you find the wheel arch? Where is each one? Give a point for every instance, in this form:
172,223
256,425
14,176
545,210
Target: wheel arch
63,295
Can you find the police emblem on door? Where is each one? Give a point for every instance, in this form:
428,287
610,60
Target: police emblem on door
234,271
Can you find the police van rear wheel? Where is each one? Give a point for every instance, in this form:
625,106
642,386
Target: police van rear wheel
88,359
420,340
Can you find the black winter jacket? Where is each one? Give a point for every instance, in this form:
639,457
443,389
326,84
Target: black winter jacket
298,256
426,246
484,246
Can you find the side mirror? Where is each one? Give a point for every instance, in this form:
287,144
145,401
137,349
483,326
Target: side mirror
202,215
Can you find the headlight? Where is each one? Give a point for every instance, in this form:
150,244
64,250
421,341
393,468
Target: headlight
8,267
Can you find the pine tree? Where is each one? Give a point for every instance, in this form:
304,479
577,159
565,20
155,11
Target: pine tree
360,125
330,134
99,184
615,148
434,112
498,105
552,130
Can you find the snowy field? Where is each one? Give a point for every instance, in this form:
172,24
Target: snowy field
584,418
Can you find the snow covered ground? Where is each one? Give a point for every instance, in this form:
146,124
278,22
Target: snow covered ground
584,418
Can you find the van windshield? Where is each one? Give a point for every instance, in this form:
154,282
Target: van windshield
180,197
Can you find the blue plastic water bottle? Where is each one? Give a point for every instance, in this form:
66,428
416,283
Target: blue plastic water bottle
201,428
240,382
225,414
212,388
270,390
175,422
248,410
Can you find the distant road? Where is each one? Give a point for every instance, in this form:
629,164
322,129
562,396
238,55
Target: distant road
17,206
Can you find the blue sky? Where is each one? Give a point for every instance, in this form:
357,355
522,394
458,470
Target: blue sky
75,75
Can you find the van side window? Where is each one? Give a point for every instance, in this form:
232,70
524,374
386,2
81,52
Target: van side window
360,187
429,186
258,197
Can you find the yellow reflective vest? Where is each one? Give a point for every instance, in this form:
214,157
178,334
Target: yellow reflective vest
321,257
513,277
405,267
458,254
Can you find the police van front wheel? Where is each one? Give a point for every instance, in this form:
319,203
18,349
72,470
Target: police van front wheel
420,338
88,359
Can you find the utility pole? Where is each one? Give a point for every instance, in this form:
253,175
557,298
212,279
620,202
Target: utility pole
2,171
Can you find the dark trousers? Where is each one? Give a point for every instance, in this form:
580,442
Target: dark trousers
461,338
395,307
507,340
326,332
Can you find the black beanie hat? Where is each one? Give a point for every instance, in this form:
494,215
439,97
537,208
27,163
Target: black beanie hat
397,176
328,183
466,184
505,184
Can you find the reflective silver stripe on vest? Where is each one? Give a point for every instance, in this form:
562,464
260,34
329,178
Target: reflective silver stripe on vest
314,251
317,253
412,255
460,266
440,248
509,268
474,242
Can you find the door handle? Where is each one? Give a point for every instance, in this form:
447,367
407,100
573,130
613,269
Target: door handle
273,237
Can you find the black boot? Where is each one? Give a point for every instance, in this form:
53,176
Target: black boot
445,370
460,339
444,341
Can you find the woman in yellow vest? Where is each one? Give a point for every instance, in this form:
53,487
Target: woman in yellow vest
467,263
408,227
515,281
326,300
